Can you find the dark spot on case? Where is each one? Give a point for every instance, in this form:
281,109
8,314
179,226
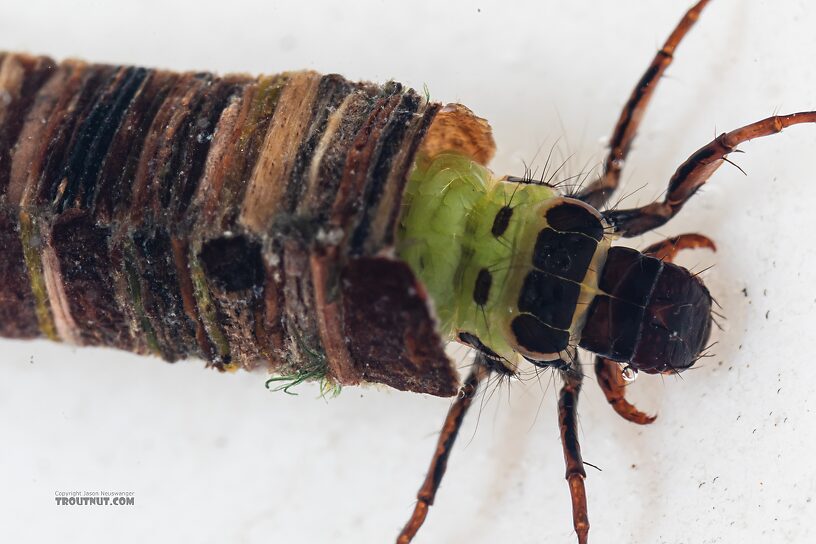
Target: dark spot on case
234,264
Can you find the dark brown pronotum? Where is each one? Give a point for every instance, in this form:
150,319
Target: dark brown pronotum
246,221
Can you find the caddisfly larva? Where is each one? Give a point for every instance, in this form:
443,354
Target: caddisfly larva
333,231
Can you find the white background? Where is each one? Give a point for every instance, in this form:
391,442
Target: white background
217,458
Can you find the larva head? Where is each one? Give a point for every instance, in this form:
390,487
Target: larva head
617,302
653,315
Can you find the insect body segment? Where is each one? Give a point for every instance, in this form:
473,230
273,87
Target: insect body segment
653,315
569,250
511,268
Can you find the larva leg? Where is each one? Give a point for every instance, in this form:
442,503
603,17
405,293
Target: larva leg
568,423
614,386
693,173
598,193
425,497
667,249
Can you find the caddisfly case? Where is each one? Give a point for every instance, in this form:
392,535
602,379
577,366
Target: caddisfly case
246,221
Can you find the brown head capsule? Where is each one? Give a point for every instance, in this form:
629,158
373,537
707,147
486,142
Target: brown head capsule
653,315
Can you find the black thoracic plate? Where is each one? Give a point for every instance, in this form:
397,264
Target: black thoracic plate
566,247
549,296
552,300
574,217
564,254
534,336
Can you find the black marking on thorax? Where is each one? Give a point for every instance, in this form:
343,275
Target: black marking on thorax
481,291
501,221
575,218
563,254
549,298
549,295
535,336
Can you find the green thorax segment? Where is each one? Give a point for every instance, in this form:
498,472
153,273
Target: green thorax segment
511,268
449,235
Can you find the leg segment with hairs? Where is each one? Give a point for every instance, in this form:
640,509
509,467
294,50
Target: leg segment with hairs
568,423
666,250
614,387
693,173
439,463
598,193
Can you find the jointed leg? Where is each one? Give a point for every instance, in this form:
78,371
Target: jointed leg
667,249
425,497
568,423
613,386
598,193
693,173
